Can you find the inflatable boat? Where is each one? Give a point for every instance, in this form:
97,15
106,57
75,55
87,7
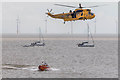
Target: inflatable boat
43,67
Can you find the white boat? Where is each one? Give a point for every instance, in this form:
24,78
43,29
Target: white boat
87,43
37,43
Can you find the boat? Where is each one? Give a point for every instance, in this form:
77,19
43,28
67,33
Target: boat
87,43
37,43
41,39
43,68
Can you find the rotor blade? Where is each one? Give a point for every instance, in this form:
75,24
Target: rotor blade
65,5
95,6
50,10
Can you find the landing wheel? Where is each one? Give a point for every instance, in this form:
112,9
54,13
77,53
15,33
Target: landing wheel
64,22
84,19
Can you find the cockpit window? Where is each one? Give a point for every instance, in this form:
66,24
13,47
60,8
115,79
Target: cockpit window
92,14
82,14
89,12
79,11
88,9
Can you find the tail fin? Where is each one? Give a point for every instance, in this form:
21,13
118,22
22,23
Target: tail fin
49,14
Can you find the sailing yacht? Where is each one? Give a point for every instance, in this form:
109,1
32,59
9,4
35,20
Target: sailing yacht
41,39
37,43
87,43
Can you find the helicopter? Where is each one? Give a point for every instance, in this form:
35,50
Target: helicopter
77,14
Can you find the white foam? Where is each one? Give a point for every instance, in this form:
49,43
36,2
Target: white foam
10,67
31,68
54,69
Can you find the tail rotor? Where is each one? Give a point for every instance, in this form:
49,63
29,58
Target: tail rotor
49,10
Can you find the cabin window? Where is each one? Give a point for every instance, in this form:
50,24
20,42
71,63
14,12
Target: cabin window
81,18
81,14
62,16
92,14
67,15
89,12
79,11
88,9
73,14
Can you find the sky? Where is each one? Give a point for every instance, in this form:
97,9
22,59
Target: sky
32,16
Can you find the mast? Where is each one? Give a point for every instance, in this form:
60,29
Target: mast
46,26
90,35
95,25
42,37
39,34
71,27
92,38
88,31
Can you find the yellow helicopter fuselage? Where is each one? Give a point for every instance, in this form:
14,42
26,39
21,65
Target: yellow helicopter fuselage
78,14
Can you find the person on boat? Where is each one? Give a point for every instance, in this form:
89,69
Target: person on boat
44,63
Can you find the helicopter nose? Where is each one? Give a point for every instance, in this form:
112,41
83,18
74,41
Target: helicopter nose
93,15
